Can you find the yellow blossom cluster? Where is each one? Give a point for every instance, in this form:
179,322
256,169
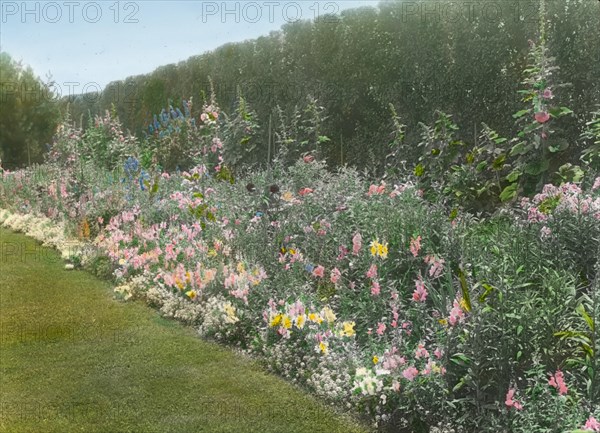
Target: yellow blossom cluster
379,249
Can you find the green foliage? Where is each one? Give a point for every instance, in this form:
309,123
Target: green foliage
591,135
29,117
241,135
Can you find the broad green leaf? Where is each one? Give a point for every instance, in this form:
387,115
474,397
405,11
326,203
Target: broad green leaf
590,322
519,149
513,176
509,192
520,114
537,167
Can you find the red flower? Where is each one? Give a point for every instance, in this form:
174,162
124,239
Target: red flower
542,117
305,191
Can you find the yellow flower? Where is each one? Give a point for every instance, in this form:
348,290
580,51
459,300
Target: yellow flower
375,359
178,283
323,346
230,311
443,322
374,247
292,251
121,262
276,320
240,268
191,294
287,196
348,329
287,323
188,277
314,317
212,253
382,250
329,314
300,321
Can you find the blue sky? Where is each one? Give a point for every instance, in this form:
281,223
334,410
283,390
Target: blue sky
87,44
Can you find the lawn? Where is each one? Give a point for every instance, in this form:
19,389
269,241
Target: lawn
72,358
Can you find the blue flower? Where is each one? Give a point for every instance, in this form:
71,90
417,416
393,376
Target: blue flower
131,166
259,214
309,267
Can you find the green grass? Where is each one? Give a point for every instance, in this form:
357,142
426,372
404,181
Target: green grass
74,359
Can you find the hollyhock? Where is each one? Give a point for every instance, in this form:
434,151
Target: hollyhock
542,117
547,94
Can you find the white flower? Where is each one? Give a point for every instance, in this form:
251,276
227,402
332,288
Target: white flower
69,266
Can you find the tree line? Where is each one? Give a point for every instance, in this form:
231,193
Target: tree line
418,57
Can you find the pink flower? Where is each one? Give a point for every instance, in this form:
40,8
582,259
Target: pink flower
542,117
356,244
596,184
380,328
343,251
420,293
547,94
558,382
437,265
456,314
438,353
545,232
410,373
319,271
592,424
415,245
375,289
421,352
305,191
308,159
372,272
510,402
396,386
335,275
63,190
